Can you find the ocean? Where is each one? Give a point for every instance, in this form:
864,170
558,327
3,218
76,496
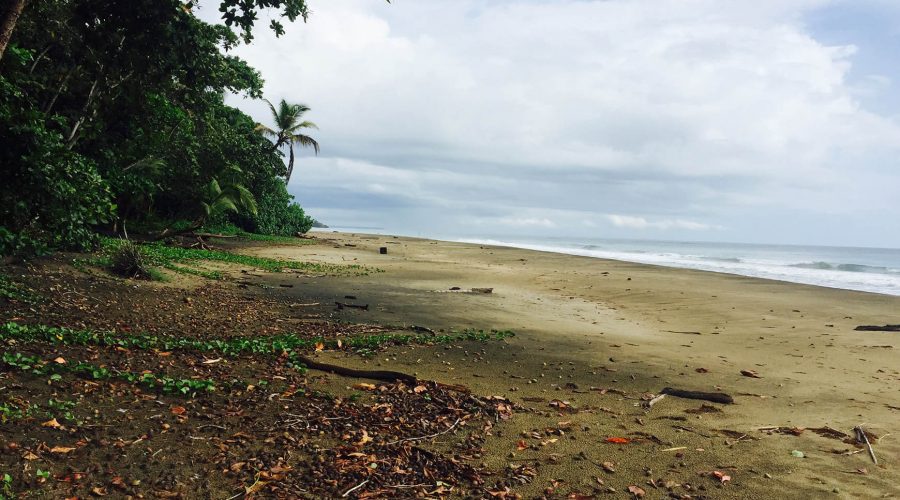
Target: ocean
866,269
875,270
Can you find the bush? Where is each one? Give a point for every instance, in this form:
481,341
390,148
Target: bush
20,245
50,196
128,261
277,214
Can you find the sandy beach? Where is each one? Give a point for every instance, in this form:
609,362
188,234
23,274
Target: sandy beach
599,334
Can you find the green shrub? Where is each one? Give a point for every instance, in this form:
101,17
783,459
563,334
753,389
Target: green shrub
277,214
128,261
50,196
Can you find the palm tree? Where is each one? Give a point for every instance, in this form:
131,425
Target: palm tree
229,195
288,123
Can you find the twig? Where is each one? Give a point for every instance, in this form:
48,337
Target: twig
690,430
861,437
649,404
351,490
430,435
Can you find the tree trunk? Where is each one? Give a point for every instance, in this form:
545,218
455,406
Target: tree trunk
290,164
38,58
59,90
8,17
73,134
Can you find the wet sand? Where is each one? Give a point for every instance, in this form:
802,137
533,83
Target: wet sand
584,323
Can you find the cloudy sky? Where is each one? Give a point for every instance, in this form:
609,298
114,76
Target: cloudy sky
770,121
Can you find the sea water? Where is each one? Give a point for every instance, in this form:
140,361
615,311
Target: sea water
874,270
866,269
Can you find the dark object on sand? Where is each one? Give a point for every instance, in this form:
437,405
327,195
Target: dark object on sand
341,305
382,250
482,290
875,328
385,375
715,397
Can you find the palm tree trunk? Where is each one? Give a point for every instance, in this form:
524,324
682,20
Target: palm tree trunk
8,18
290,164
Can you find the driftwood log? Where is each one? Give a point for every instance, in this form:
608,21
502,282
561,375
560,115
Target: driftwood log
715,397
341,305
384,375
876,328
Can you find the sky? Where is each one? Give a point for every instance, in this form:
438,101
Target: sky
759,121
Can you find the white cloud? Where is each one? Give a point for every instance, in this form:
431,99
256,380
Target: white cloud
691,110
526,222
636,222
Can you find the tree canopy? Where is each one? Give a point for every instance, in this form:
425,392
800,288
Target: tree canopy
113,112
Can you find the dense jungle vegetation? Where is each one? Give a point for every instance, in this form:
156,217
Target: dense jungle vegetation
112,118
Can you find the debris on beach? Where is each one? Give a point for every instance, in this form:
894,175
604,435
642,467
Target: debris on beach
715,397
875,328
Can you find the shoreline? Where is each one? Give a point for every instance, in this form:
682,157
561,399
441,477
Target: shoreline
700,265
638,328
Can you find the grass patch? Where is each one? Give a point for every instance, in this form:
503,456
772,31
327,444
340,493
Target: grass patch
212,275
35,366
161,255
232,230
273,345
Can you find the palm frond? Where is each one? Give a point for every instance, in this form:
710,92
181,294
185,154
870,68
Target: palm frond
304,124
223,204
305,141
213,190
245,198
264,130
272,109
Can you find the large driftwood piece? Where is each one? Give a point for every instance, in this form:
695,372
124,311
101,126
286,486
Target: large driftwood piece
715,397
384,375
875,328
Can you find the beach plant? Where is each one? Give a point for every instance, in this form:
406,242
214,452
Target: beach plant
10,290
36,366
128,260
178,258
231,346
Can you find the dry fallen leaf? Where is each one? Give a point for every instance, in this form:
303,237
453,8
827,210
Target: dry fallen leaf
364,439
98,491
724,478
521,445
608,467
420,388
60,360
637,491
617,440
30,456
178,410
119,482
254,488
61,449
51,423
364,387
320,346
